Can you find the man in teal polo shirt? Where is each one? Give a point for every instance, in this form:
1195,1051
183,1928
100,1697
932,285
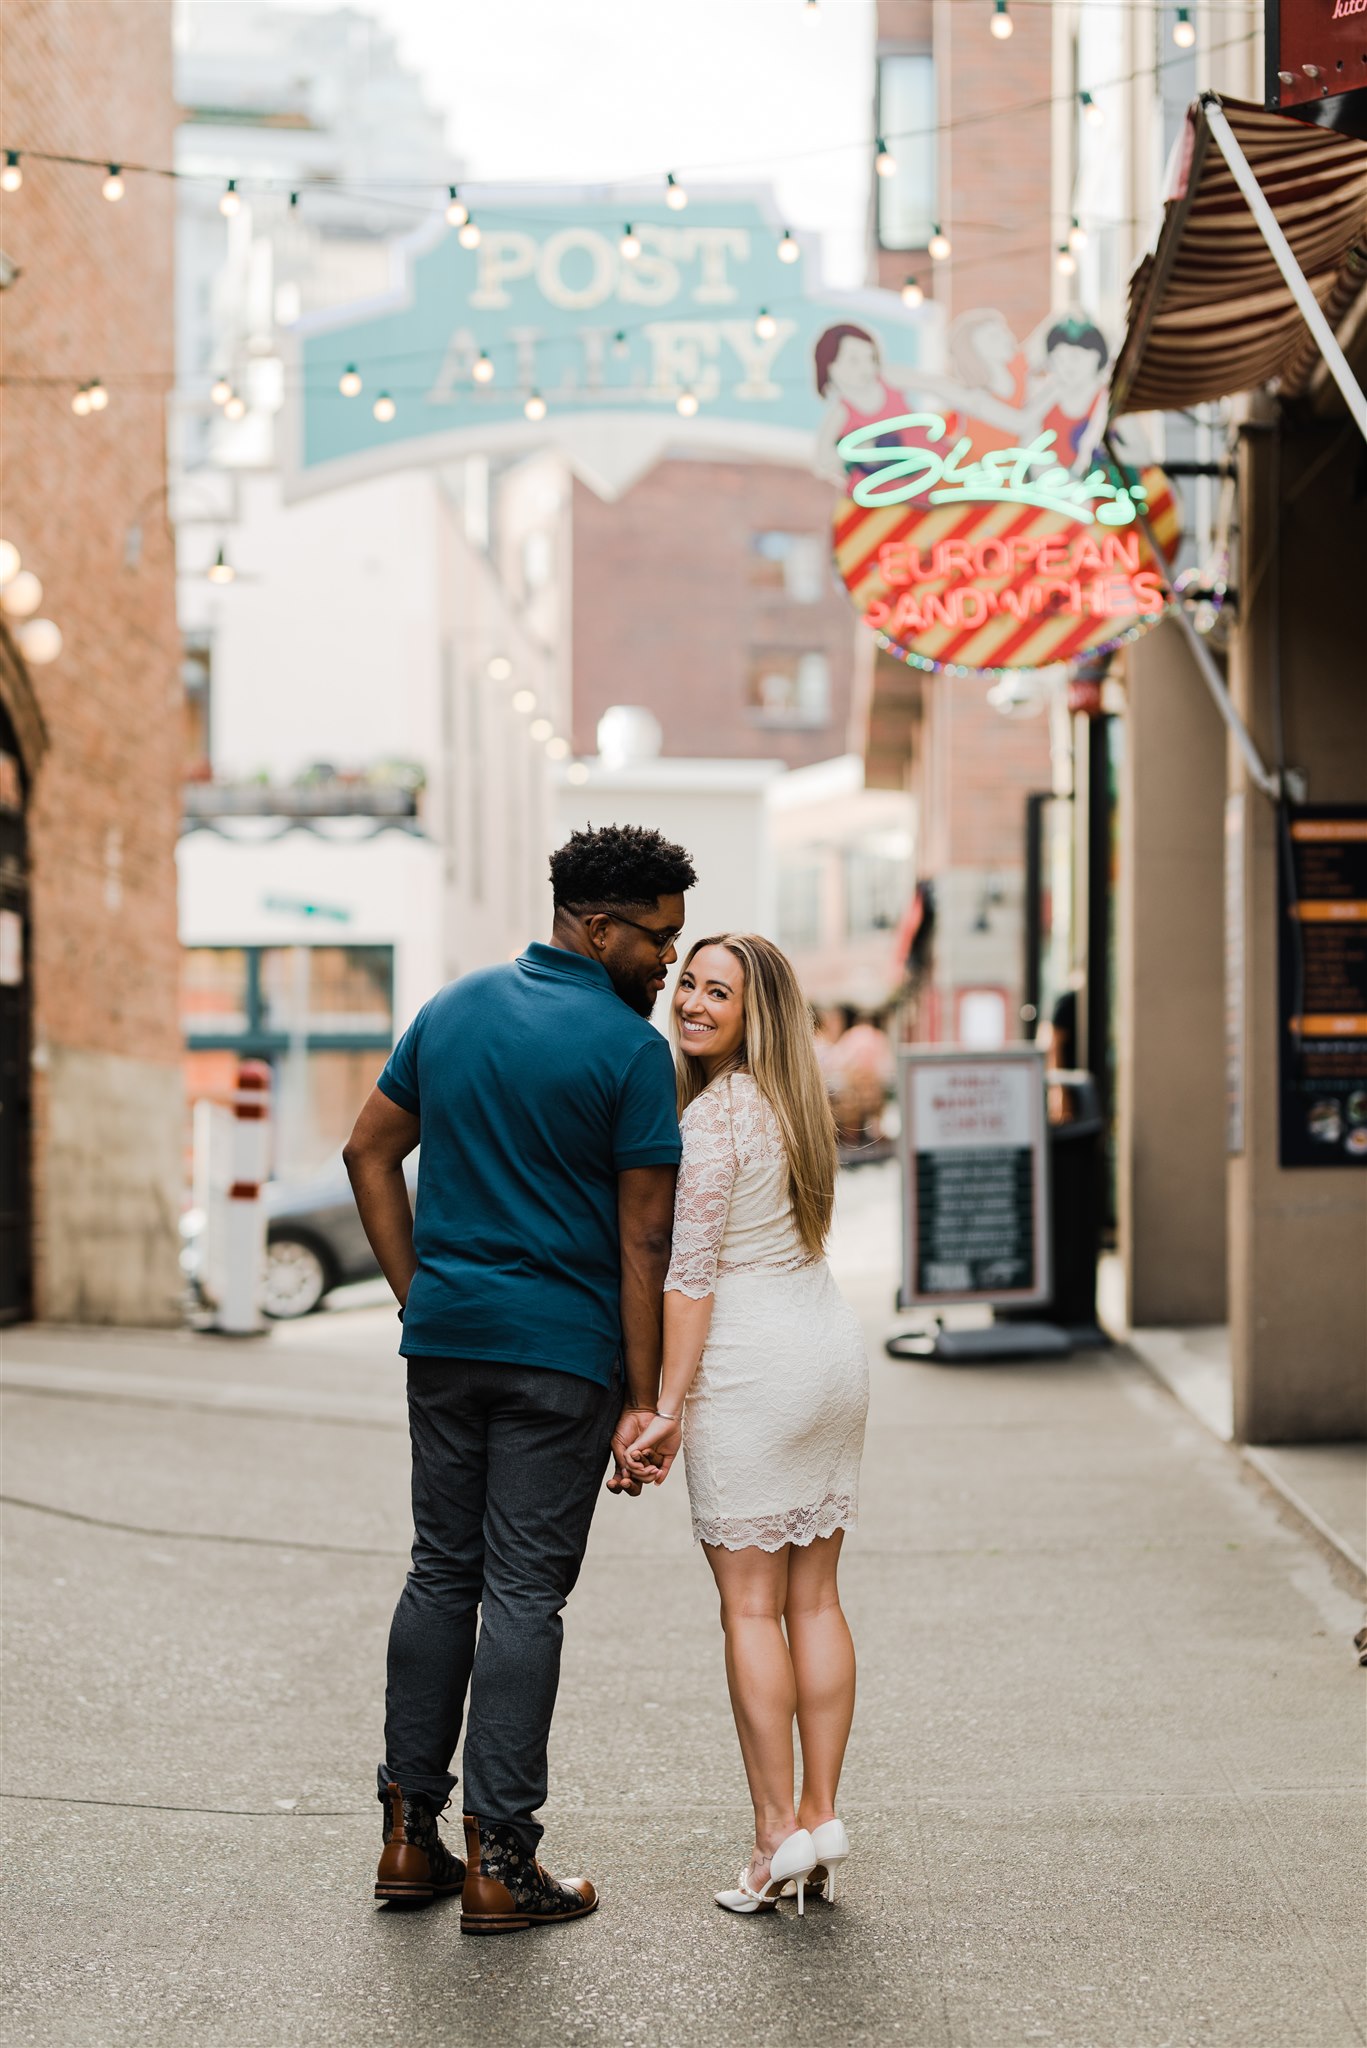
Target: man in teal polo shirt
530,1281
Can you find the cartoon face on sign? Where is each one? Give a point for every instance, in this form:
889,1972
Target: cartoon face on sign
972,533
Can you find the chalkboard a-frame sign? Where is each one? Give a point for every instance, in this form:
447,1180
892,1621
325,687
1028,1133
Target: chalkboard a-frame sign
975,1197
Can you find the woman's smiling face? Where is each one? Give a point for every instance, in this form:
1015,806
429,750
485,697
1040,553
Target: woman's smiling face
708,1005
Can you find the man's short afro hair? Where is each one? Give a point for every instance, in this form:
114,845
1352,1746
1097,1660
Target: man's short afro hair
621,865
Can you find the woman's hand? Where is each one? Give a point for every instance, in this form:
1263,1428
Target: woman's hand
630,1423
650,1456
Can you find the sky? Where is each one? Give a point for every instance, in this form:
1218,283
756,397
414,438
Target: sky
723,91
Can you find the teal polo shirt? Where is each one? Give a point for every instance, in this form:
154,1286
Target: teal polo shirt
534,1085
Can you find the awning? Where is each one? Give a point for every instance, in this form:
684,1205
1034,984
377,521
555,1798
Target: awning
1212,310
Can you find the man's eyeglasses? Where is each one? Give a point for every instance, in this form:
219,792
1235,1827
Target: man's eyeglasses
662,940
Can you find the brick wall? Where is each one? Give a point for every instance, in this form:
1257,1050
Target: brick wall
94,298
671,601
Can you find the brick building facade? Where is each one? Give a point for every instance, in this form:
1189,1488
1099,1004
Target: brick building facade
969,768
705,594
97,732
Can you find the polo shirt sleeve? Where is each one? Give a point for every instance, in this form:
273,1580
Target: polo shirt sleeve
645,1130
399,1081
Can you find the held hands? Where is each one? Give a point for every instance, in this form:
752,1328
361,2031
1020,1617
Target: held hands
651,1453
630,1423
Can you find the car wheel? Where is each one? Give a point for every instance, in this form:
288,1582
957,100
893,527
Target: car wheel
296,1279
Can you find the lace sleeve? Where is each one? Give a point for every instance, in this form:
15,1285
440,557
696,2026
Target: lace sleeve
703,1197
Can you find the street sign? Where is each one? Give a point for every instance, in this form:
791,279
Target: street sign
975,1207
532,325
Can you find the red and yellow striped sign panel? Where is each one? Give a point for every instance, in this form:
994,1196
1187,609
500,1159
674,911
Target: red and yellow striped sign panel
989,586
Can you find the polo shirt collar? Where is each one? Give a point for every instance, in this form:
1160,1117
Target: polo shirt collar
555,961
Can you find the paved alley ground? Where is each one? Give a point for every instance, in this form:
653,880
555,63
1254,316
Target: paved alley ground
1105,1788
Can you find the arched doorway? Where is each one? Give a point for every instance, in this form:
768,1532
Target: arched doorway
16,1236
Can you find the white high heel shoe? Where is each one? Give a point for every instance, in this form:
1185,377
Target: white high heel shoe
791,1863
832,1846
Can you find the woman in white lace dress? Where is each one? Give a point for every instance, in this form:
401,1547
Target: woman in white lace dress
765,1382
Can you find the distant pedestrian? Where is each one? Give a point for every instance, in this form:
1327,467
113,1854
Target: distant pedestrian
530,1289
772,1365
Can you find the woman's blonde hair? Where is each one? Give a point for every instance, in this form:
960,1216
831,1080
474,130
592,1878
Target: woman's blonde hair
778,1050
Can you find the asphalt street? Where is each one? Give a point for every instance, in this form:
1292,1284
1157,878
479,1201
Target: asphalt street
1105,1787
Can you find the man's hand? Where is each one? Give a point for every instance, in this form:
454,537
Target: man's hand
630,1423
653,1450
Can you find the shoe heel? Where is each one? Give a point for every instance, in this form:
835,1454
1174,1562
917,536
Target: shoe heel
830,1883
801,1895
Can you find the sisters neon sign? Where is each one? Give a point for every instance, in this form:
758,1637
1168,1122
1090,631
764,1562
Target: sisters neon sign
898,470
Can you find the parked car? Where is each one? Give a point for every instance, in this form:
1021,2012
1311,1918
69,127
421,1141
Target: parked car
314,1240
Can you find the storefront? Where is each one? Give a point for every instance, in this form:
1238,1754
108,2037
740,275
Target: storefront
1243,1113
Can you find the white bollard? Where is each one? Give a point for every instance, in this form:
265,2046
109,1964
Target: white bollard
239,1308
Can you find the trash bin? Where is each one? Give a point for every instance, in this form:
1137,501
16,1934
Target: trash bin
1076,1205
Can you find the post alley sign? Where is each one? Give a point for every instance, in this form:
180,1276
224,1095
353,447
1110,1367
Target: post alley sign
981,531
614,329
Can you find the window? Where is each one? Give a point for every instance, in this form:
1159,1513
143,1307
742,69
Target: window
321,1016
799,905
875,892
789,688
908,200
791,562
196,674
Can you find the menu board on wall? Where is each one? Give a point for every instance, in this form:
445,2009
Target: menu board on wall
1322,902
975,1207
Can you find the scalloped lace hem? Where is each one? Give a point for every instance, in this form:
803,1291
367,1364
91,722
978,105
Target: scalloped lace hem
772,1532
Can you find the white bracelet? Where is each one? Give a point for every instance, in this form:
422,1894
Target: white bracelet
665,1415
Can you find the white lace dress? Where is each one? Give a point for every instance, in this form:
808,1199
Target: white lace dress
774,1425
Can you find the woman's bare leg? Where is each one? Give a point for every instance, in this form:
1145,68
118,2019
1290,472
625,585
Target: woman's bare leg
753,1585
823,1668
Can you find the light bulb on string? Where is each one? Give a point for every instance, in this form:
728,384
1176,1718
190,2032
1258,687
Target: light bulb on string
12,176
230,200
21,595
524,701
468,235
349,383
811,10
535,406
912,294
766,327
621,347
629,248
11,562
1001,24
220,391
80,403
1065,262
221,570
557,749
483,369
676,199
540,729
236,407
686,404
1090,110
113,186
1077,236
939,245
384,408
40,641
788,250
457,212
98,396
884,162
577,772
1184,29
499,668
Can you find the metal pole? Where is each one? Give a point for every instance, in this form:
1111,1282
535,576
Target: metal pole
1259,774
1335,360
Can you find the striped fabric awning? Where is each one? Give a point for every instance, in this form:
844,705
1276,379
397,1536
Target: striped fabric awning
1210,313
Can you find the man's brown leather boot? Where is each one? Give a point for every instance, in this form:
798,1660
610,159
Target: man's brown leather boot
506,1888
415,1862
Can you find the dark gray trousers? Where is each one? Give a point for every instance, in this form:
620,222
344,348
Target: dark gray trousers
508,1461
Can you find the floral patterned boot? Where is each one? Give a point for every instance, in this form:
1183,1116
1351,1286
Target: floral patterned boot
506,1888
415,1862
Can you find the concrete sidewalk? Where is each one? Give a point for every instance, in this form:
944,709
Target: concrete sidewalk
1104,1789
